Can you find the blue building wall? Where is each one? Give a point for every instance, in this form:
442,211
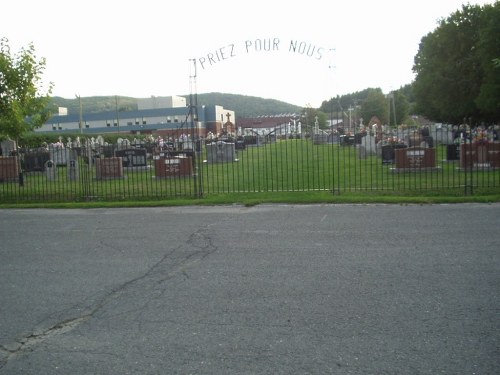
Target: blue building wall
146,120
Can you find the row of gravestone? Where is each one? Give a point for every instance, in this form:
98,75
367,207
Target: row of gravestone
131,158
166,164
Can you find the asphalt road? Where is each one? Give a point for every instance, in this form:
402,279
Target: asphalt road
271,289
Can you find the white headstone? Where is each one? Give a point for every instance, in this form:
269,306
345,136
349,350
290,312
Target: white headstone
50,170
368,142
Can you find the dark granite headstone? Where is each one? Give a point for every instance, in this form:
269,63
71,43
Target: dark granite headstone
35,161
453,152
133,157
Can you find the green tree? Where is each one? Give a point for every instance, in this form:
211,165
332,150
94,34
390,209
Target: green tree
22,105
375,104
488,100
451,66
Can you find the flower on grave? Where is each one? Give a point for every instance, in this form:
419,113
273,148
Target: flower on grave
392,141
481,136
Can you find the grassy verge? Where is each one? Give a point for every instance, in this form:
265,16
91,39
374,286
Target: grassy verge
252,199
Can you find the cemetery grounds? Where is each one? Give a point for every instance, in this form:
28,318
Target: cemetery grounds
282,166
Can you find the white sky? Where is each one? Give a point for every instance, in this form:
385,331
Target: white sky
143,48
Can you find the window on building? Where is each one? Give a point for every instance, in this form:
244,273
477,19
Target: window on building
87,125
143,121
108,124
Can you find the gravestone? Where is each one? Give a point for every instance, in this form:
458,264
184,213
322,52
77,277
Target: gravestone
107,151
178,166
367,147
389,154
415,139
320,138
252,140
444,136
494,154
50,170
8,147
34,161
58,155
9,168
72,167
413,158
240,144
133,157
187,145
480,155
220,152
347,140
453,152
107,168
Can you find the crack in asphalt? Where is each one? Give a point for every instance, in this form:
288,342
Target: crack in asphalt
27,343
164,270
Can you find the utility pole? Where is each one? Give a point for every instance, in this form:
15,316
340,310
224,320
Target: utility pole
394,109
117,116
81,115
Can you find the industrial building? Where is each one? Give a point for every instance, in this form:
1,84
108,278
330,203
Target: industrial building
156,115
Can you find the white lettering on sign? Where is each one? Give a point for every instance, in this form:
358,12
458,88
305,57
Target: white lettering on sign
415,153
172,161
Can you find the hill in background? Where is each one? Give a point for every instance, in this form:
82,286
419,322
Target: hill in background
243,106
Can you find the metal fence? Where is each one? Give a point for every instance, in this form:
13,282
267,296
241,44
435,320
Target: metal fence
164,168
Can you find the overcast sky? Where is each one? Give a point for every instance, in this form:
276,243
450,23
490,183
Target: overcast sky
300,52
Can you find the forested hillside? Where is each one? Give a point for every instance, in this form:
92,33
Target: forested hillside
244,106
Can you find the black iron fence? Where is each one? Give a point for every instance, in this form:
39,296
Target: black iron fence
164,168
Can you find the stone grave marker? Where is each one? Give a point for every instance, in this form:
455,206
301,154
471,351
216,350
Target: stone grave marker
107,168
388,153
8,147
72,167
58,154
35,161
494,154
320,138
453,151
480,155
178,166
9,168
50,170
221,152
444,136
367,147
415,158
133,157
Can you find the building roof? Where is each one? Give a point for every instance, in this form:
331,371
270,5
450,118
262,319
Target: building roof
268,121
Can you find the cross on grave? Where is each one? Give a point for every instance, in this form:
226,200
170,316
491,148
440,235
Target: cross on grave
228,127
